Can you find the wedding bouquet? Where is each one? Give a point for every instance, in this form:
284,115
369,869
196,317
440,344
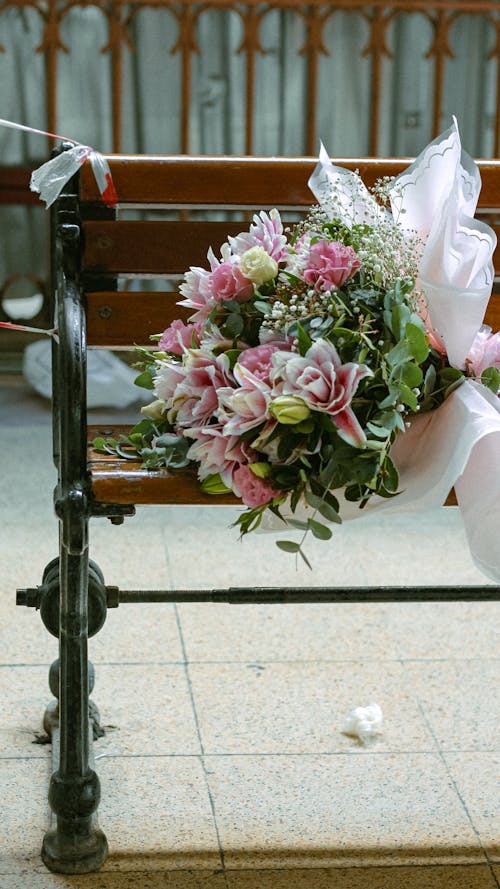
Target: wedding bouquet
312,349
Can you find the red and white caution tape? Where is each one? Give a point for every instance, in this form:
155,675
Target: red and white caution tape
49,179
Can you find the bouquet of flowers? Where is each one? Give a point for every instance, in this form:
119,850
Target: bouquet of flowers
308,352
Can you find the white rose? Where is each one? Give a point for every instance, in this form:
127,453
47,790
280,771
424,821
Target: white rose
258,266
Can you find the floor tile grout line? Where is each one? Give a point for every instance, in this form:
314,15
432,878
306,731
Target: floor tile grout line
262,661
441,755
200,740
311,755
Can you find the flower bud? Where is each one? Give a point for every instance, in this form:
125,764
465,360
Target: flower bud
258,266
260,469
213,484
289,409
154,410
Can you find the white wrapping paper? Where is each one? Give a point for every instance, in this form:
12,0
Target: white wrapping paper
457,445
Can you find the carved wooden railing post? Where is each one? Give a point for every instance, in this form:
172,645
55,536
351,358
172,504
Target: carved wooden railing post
313,47
187,45
377,48
495,54
440,51
50,46
250,45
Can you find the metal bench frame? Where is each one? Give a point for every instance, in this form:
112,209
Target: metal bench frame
73,598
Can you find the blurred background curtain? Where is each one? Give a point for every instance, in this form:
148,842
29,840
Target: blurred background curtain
148,49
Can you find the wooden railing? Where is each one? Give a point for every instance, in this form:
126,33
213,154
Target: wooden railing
378,22
120,22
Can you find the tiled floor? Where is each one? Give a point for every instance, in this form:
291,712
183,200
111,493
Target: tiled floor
224,765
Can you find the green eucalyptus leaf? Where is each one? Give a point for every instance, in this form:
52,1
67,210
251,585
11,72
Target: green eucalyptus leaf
417,341
322,532
288,546
263,307
379,431
304,558
297,523
491,378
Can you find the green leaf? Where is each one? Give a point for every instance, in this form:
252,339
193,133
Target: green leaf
320,531
379,431
234,325
400,317
263,307
297,523
411,374
305,559
144,380
407,396
399,354
491,378
233,355
325,509
125,455
98,444
419,347
288,546
429,381
304,340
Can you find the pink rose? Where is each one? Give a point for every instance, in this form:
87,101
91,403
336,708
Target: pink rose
178,335
484,352
227,282
330,264
253,491
324,384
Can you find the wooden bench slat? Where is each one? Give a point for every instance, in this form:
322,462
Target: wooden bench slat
152,247
125,319
117,320
256,181
492,316
117,480
162,247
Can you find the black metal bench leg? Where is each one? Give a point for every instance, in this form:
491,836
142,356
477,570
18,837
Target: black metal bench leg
75,845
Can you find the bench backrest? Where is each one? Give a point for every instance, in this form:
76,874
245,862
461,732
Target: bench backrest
172,208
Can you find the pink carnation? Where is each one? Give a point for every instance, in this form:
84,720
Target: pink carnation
252,490
330,264
324,383
227,282
258,359
178,335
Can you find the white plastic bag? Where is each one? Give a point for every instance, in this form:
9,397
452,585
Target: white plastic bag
110,382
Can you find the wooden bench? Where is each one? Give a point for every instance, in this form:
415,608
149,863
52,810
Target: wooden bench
94,251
